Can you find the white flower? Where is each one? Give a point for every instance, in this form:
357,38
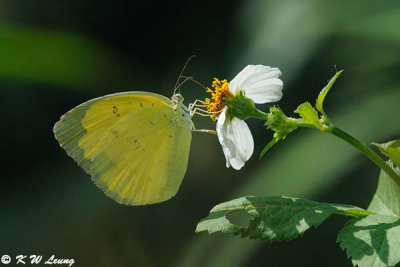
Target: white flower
262,85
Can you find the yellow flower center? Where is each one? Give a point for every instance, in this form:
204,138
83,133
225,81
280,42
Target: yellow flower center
219,94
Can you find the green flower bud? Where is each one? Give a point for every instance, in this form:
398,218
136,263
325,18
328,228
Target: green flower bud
279,123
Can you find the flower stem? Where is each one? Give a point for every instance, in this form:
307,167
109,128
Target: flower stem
259,114
366,151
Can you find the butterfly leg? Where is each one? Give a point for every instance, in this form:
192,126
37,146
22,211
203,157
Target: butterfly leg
204,131
195,104
201,112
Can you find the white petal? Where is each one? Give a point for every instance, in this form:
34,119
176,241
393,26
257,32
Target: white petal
259,83
237,142
237,163
243,139
235,83
227,145
222,117
265,91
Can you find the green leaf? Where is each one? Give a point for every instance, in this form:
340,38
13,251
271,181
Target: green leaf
273,218
309,114
391,150
375,239
386,200
372,241
324,92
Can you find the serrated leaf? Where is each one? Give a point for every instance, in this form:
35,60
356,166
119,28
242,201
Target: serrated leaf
372,241
391,150
321,97
386,200
273,218
308,113
375,240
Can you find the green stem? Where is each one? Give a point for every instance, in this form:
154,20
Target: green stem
302,123
259,114
366,151
256,113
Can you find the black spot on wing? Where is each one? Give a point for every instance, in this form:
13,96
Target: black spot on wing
115,111
114,132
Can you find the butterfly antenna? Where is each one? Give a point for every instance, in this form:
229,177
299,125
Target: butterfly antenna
177,84
193,80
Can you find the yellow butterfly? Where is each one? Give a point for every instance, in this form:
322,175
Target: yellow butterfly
135,145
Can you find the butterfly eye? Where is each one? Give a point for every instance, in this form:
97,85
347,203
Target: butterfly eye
177,98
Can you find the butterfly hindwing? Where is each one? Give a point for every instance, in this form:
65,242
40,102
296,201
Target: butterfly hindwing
135,145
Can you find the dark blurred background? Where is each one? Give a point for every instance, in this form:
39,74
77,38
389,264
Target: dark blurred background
55,55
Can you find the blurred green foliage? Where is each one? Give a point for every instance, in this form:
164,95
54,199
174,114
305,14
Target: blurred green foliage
41,55
55,55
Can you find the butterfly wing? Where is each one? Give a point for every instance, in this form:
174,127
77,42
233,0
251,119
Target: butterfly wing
135,145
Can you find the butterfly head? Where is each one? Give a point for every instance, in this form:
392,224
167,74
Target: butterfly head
177,99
